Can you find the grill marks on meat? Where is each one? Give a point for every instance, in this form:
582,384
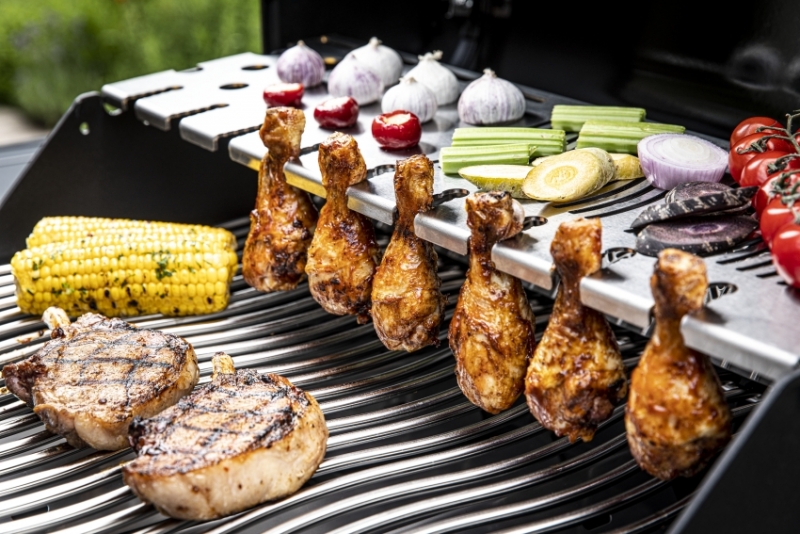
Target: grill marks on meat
97,374
407,305
284,219
676,418
243,439
492,330
343,254
576,376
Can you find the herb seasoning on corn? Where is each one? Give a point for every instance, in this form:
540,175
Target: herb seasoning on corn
122,267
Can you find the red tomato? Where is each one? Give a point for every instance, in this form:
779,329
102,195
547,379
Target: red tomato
755,171
765,193
749,127
337,113
397,129
774,216
751,146
786,253
283,94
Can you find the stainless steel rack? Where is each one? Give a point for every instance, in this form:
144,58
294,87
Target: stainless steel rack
748,323
407,451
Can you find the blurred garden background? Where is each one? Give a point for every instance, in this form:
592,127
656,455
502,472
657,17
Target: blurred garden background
53,50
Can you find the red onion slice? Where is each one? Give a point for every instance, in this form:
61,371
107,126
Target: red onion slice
672,159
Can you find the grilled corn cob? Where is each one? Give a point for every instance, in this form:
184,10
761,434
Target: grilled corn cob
124,268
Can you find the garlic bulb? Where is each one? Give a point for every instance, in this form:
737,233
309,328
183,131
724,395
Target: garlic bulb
410,95
382,59
301,64
439,79
352,78
491,100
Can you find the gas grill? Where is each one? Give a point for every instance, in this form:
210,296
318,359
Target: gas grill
407,452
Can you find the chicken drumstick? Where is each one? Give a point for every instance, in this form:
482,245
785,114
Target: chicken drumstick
283,221
407,306
576,376
676,417
343,253
491,333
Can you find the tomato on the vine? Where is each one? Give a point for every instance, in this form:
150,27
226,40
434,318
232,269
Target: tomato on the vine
743,150
749,127
786,253
756,172
774,216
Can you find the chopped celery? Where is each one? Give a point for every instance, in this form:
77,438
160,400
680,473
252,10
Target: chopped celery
571,118
454,158
548,142
617,136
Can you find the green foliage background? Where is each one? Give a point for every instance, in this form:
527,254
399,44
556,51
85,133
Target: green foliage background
53,50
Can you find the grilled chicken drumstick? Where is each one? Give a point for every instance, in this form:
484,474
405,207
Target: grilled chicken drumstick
491,333
283,221
95,375
676,417
343,254
576,376
243,439
407,306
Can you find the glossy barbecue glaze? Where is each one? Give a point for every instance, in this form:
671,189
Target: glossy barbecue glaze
407,305
491,333
576,376
676,417
343,254
283,221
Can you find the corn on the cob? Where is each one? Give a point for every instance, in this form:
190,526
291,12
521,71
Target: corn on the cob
54,229
123,268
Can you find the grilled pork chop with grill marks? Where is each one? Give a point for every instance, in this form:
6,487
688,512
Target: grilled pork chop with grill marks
95,375
243,439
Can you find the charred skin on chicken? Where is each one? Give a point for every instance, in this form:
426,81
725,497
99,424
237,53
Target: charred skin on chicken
343,254
576,376
283,221
407,305
492,330
676,417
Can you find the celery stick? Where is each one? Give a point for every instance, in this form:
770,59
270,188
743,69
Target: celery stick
571,118
548,142
616,136
454,158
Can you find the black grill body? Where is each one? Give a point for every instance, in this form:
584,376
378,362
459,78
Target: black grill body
407,453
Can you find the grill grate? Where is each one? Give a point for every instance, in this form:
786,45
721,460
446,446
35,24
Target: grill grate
407,452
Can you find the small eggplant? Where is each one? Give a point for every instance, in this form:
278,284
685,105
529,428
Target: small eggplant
700,235
693,206
689,190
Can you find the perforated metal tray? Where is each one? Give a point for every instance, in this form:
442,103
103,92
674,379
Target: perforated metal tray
749,322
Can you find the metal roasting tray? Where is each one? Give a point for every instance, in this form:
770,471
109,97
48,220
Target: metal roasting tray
751,329
407,452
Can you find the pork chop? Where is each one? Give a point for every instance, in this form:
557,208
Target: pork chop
95,375
242,439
